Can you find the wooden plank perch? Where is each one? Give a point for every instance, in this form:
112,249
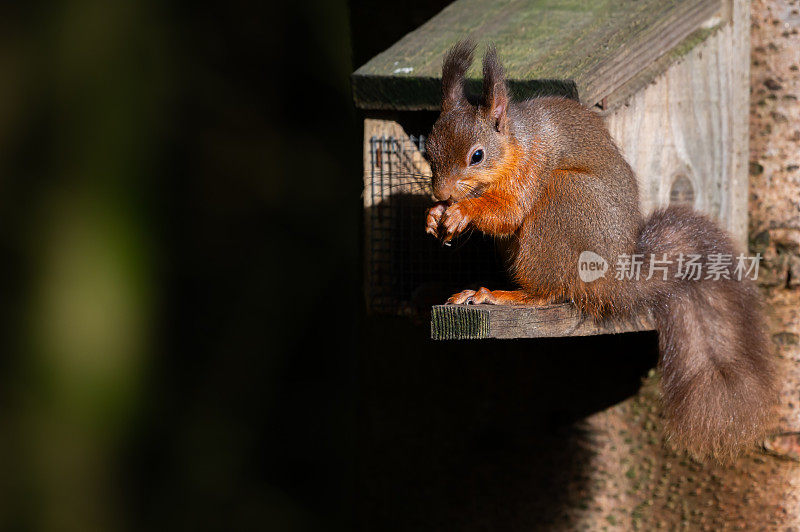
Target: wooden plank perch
584,49
475,322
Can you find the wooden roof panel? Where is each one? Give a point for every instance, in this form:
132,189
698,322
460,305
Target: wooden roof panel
580,48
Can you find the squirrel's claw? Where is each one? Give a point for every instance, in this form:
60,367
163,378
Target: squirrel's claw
450,218
464,297
435,218
471,297
454,220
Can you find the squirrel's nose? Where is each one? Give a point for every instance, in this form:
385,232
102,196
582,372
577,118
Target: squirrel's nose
442,192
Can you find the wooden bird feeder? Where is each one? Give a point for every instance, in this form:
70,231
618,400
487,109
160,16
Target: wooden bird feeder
670,78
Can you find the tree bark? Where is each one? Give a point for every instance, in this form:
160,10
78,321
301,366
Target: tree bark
636,482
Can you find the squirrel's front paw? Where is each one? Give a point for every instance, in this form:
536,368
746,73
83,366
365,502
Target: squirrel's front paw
455,220
435,218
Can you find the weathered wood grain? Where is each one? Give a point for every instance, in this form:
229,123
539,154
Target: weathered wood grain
579,48
689,125
475,322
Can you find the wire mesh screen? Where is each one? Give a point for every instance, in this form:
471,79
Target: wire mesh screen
407,270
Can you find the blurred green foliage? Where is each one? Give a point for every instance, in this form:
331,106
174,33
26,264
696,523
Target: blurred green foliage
162,166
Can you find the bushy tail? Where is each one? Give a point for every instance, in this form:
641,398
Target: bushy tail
718,375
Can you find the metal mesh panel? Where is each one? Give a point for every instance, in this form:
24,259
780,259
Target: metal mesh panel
407,270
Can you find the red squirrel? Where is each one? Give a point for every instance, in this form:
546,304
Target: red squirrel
545,175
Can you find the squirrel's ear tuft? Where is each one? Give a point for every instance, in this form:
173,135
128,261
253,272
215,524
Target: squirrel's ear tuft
495,91
455,66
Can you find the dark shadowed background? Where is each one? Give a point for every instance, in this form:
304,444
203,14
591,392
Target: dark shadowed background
183,341
179,234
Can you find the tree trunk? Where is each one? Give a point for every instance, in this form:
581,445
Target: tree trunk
636,482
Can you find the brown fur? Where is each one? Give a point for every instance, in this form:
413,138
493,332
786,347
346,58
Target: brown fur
553,184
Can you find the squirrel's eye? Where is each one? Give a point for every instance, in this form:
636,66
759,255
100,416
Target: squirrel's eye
477,157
